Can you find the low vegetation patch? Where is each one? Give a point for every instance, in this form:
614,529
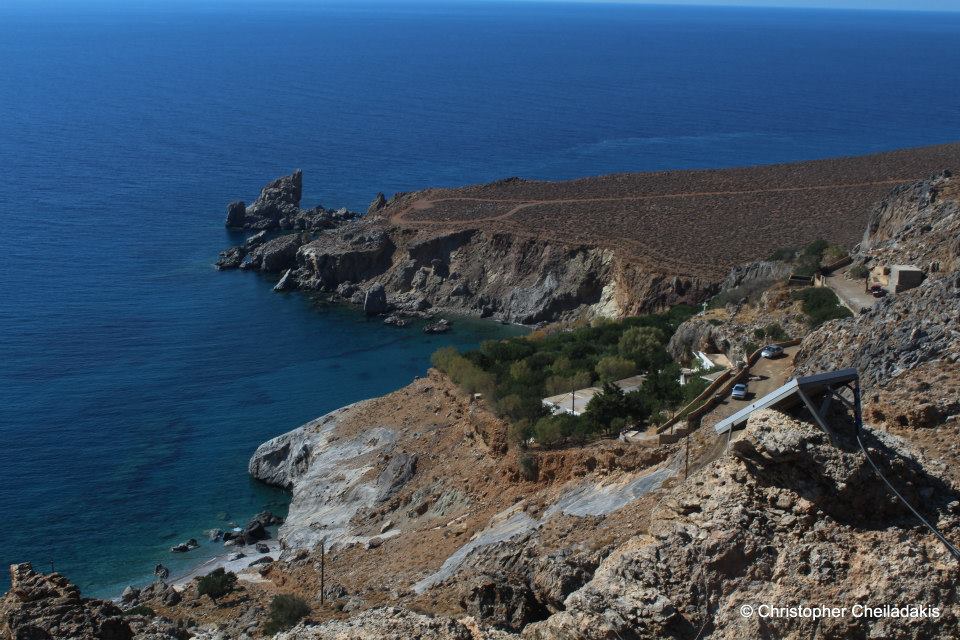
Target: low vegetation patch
216,584
808,260
859,272
285,611
772,331
820,304
140,610
516,374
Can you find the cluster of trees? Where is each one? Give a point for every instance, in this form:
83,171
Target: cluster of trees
516,374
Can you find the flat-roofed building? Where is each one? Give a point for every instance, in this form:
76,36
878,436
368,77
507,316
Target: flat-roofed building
575,402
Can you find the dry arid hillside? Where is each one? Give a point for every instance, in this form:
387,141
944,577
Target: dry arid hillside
697,222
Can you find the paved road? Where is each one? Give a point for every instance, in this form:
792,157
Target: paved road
771,374
850,292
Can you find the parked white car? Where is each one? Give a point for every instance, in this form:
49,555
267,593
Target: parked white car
739,392
772,351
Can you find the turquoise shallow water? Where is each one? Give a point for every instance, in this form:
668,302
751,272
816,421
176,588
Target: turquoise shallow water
135,380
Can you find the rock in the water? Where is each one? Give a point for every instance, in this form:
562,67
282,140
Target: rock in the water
231,258
236,214
278,200
375,300
185,546
161,572
287,282
395,321
440,326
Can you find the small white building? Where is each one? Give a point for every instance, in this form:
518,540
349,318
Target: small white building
575,402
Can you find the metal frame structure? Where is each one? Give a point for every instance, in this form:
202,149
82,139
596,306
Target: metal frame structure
829,386
803,390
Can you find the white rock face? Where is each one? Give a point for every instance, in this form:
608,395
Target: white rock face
326,475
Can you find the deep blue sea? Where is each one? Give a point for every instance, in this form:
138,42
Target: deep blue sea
135,380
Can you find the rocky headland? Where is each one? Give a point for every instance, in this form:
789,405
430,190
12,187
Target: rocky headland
527,252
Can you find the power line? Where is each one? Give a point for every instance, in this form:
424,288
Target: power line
949,545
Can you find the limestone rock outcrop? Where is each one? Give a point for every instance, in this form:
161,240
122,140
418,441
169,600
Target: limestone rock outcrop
278,207
789,518
49,607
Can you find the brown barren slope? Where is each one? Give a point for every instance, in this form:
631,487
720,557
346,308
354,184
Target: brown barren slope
700,222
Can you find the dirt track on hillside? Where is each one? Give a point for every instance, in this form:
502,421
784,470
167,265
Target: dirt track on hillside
704,221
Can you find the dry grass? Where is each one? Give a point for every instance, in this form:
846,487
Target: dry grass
692,222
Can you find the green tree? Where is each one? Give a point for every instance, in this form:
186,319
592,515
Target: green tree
216,584
612,407
663,387
285,611
555,385
611,368
643,345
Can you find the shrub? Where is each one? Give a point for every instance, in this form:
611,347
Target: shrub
859,272
693,388
519,372
528,466
775,332
833,253
462,371
760,333
216,584
749,348
615,368
749,291
141,610
820,304
815,249
520,407
519,432
783,255
285,612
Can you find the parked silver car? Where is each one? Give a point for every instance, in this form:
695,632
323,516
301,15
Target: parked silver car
739,392
772,351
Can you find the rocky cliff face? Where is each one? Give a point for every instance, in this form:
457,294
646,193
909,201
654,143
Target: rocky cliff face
917,224
474,272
